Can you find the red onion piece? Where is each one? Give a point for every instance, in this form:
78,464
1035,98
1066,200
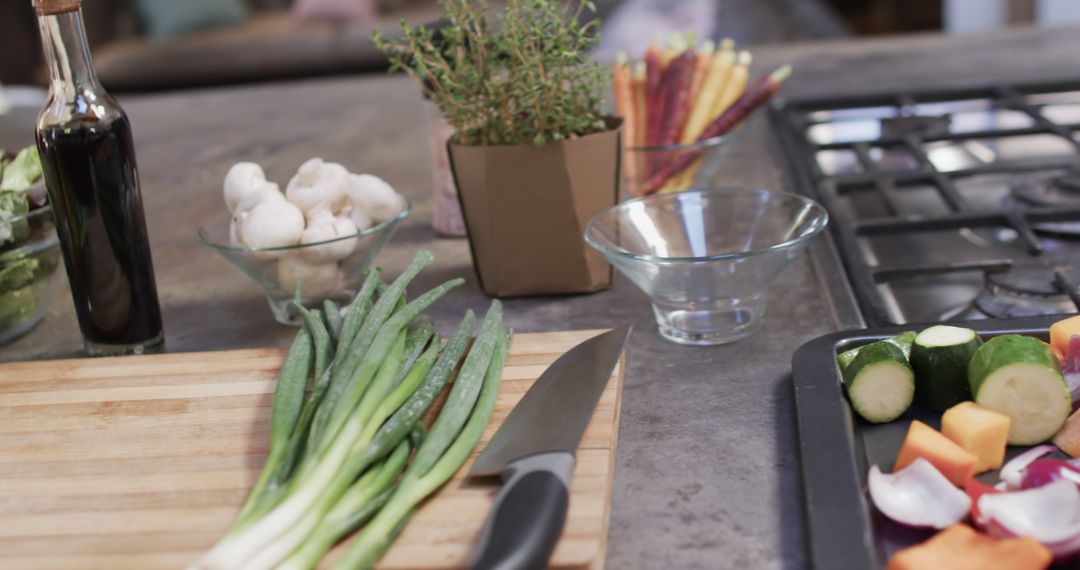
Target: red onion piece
919,496
1045,471
976,489
1050,514
1012,473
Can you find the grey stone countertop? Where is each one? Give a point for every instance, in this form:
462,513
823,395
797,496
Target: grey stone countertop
707,467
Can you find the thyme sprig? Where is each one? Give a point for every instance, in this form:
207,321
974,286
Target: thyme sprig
522,77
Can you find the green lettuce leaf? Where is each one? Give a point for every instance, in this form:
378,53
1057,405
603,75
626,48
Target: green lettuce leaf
12,205
22,172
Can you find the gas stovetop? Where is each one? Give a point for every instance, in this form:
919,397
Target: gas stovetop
946,205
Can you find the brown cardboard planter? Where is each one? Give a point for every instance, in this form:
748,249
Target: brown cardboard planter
526,208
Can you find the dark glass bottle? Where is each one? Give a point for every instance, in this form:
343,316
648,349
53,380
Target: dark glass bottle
89,161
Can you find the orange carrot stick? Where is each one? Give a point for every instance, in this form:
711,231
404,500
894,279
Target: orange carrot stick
654,71
639,103
624,98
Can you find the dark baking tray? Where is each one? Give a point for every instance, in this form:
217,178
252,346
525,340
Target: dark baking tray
837,448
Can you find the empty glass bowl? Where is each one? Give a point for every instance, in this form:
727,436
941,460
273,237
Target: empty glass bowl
279,270
706,257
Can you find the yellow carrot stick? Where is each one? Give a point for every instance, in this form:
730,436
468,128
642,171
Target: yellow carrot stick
712,89
736,84
638,78
702,61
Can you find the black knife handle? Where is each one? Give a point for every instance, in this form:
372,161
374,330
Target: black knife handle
528,516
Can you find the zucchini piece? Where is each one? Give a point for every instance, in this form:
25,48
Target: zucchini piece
844,359
1018,376
940,357
879,381
902,341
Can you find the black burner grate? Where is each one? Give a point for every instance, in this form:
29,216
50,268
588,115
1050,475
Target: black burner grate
905,128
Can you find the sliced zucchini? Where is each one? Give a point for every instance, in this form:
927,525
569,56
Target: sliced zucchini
1019,376
902,341
940,357
879,381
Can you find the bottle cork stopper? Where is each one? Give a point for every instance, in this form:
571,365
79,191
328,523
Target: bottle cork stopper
47,7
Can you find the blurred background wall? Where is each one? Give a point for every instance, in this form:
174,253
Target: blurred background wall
145,45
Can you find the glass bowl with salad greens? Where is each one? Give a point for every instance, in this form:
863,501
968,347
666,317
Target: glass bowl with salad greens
29,249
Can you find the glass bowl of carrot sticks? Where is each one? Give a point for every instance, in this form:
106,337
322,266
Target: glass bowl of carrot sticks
680,106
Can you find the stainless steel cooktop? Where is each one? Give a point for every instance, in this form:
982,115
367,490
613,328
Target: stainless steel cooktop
946,205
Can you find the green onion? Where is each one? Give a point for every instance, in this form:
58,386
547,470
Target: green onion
284,412
334,320
402,391
314,489
463,394
350,396
324,347
347,377
358,310
420,333
380,533
355,507
341,456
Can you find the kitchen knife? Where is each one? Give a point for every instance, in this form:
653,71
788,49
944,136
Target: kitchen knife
533,451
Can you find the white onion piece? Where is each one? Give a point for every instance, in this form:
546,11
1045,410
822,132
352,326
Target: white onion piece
918,495
1012,473
1070,369
1050,514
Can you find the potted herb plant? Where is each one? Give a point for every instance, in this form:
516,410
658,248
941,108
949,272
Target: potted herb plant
533,157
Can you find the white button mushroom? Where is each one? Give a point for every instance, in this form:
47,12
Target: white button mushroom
315,280
375,197
272,223
242,177
264,192
317,182
324,226
358,216
234,234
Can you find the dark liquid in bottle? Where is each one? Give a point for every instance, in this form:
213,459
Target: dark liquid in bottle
93,186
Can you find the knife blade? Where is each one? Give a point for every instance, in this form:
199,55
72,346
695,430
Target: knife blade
533,452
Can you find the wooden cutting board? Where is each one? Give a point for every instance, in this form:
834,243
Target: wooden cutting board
141,462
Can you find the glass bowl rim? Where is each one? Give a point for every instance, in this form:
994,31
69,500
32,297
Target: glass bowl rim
378,228
734,134
820,225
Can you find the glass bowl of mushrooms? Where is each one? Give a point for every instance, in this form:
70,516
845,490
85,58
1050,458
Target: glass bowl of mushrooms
313,241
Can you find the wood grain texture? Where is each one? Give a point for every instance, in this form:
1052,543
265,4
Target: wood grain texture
142,462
